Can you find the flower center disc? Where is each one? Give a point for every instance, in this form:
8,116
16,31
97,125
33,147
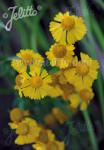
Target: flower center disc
68,89
19,80
52,146
82,69
85,95
59,51
16,115
36,82
23,129
43,137
68,22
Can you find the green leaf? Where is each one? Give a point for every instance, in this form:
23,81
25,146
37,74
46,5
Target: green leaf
100,3
54,70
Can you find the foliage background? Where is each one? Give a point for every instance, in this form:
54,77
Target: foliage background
33,33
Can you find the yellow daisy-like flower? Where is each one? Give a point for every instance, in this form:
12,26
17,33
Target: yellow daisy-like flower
66,87
45,136
16,116
83,73
61,86
55,86
81,98
36,85
60,116
67,29
28,130
50,120
19,81
54,145
60,55
26,58
46,140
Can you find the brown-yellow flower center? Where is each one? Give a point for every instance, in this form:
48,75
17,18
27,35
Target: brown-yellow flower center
67,90
50,120
59,115
68,22
43,137
86,95
19,80
23,129
16,115
27,59
55,78
59,51
82,69
52,146
36,82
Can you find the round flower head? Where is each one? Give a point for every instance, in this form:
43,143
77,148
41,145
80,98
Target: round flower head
50,120
46,140
67,29
28,130
60,55
60,116
68,89
36,85
19,81
56,90
16,116
81,98
45,136
26,58
84,72
61,86
54,145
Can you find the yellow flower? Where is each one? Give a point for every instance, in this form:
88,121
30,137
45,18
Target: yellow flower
28,130
26,58
61,86
45,136
36,85
50,120
67,89
81,98
83,73
67,29
60,55
39,146
56,90
54,145
60,116
16,116
19,81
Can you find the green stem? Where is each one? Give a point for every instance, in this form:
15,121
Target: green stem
97,31
90,130
100,3
101,94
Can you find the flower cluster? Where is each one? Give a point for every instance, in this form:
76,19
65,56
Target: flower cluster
72,82
75,77
28,131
